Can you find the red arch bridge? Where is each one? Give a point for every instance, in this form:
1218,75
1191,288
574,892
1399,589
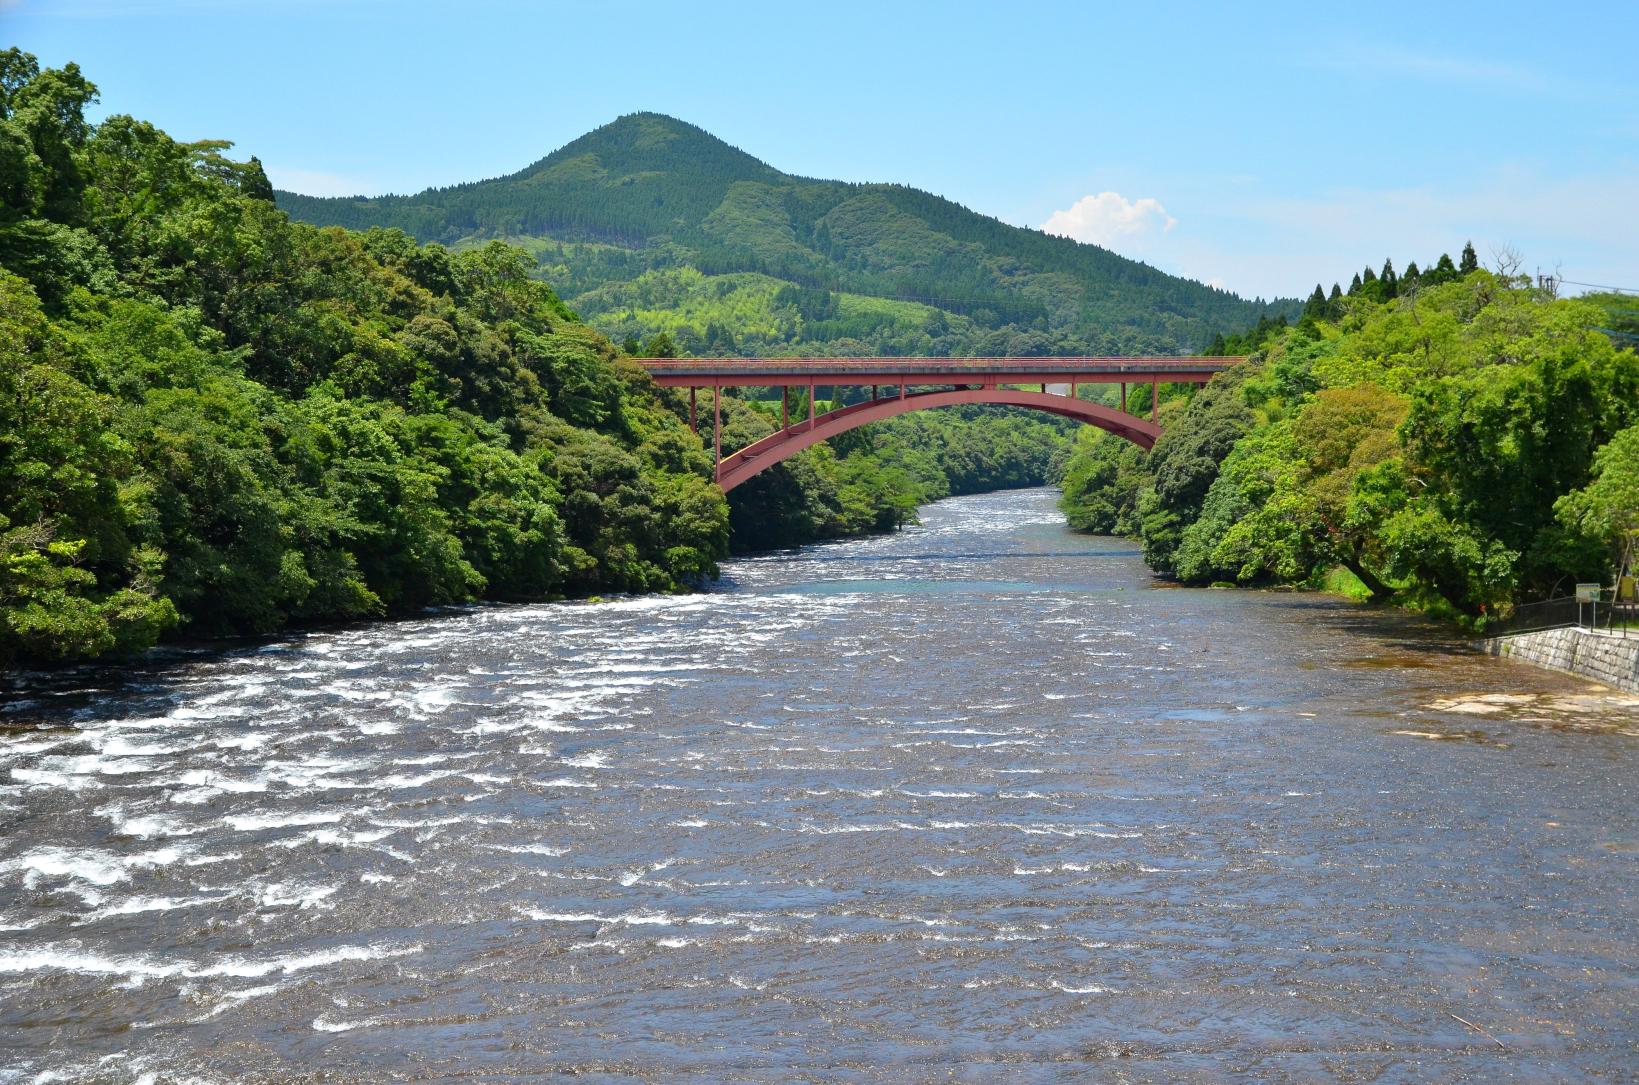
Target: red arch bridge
938,382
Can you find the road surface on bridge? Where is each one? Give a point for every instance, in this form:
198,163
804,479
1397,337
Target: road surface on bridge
829,372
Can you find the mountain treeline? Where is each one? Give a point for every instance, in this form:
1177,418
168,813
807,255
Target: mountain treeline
1459,440
214,421
652,225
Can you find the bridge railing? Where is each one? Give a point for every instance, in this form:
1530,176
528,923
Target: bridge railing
786,366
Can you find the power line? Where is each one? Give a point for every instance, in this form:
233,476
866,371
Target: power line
1601,286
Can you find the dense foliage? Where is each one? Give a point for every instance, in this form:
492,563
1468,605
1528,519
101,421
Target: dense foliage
214,421
649,224
1460,439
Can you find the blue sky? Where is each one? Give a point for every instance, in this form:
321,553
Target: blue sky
1260,147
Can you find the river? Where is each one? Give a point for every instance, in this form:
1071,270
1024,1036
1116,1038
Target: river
979,801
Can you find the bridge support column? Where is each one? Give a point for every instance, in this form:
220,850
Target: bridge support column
1123,397
717,426
811,407
785,406
873,393
692,426
901,389
1072,388
1155,399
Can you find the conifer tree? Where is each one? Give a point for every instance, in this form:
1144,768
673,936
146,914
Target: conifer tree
1390,281
1411,276
1470,261
1354,287
1316,305
253,181
1445,270
1368,276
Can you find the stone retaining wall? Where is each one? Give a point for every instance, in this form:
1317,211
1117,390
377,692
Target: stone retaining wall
1603,657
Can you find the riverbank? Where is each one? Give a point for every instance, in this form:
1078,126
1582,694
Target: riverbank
1587,653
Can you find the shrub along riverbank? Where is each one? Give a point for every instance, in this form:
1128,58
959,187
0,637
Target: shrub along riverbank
1459,442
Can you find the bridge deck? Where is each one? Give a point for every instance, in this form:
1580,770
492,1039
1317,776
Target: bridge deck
717,372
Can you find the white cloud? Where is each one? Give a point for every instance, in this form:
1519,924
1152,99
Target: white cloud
1273,245
1109,218
317,182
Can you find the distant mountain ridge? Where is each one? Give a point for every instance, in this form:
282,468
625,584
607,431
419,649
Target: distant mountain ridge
650,224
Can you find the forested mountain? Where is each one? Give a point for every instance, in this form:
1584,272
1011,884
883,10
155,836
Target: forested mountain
651,225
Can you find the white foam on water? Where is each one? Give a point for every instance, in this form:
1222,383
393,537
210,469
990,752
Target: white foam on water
66,781
559,917
138,905
285,894
69,957
340,838
433,823
594,760
405,781
86,865
32,746
246,742
564,781
245,823
207,860
116,746
147,826
231,999
528,849
324,1024
1091,989
216,781
482,727
436,699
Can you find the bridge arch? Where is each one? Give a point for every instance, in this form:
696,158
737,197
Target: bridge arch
781,445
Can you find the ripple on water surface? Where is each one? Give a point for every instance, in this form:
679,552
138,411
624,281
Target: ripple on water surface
976,793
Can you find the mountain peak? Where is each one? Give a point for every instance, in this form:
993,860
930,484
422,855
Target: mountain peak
641,143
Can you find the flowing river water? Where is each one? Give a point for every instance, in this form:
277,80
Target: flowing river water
976,802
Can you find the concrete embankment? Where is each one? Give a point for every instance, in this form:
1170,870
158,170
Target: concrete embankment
1604,657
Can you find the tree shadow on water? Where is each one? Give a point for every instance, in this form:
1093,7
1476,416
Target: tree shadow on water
1392,628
